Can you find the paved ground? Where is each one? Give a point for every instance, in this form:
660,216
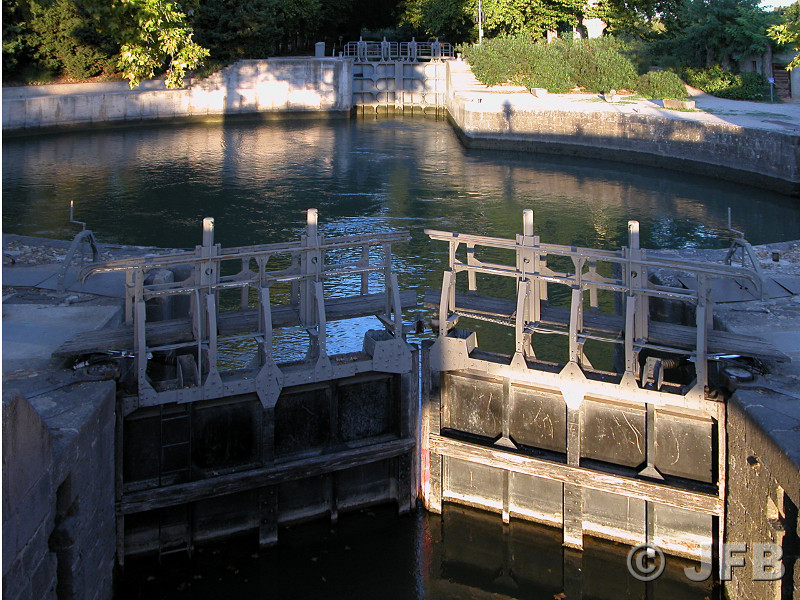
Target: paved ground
783,117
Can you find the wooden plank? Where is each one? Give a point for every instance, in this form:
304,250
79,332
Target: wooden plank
493,307
680,337
223,485
552,316
231,323
685,337
587,478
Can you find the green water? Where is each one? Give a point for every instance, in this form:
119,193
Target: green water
153,186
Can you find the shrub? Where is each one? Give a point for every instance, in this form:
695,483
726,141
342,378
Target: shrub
550,72
598,65
736,86
661,84
68,42
595,65
504,59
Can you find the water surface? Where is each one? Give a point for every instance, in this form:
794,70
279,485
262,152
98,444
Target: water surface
154,185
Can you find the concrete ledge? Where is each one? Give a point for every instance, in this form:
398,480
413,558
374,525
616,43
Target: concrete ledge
638,133
679,104
647,154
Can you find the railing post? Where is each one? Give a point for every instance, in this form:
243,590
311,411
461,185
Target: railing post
703,315
638,278
447,301
631,365
472,279
364,263
140,327
311,267
530,264
244,300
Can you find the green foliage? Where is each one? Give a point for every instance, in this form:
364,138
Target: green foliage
534,17
630,18
17,47
661,84
67,42
448,19
235,29
154,34
550,72
788,31
595,65
598,65
736,86
504,59
707,32
454,19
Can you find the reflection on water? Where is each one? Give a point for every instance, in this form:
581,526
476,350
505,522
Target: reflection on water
375,554
154,185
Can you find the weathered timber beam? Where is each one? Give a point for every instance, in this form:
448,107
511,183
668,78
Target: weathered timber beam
230,323
223,485
588,478
670,335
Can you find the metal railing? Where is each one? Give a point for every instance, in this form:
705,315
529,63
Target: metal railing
310,267
413,51
630,277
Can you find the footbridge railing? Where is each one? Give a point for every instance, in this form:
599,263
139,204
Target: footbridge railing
185,305
630,273
413,51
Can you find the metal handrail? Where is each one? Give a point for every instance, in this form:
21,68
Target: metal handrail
413,51
531,271
306,273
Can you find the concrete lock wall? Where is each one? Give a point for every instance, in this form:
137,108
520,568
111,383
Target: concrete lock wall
248,86
764,492
758,157
58,494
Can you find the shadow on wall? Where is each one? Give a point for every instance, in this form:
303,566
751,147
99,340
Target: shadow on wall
248,86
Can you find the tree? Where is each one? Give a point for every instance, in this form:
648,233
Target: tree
535,17
454,19
788,31
632,18
67,41
17,47
714,30
153,35
235,29
449,19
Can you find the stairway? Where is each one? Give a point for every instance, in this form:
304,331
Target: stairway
783,89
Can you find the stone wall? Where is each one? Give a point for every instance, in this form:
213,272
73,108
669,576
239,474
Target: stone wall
763,490
248,86
764,158
58,494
